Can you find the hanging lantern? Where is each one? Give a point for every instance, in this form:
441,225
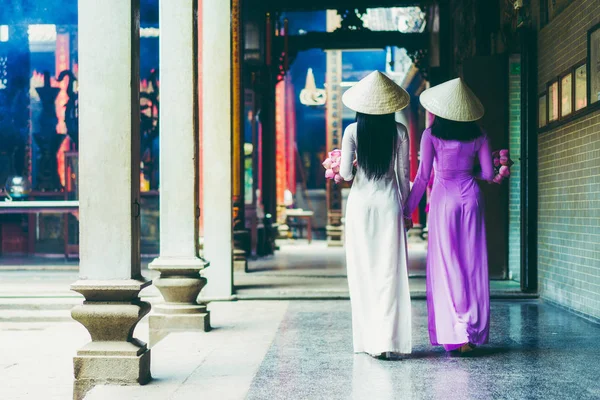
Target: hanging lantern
310,95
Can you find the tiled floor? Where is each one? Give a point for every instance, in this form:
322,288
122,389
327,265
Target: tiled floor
299,349
298,257
536,351
302,350
314,271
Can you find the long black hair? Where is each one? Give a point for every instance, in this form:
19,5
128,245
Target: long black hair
454,130
377,137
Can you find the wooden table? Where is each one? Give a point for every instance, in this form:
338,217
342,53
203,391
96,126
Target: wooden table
32,207
302,214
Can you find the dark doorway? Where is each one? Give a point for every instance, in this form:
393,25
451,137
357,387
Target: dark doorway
488,78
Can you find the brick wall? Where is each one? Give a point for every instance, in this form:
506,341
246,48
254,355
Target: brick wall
514,189
569,178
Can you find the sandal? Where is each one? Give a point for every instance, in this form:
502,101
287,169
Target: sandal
466,348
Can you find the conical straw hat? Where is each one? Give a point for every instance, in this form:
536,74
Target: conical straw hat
453,100
376,94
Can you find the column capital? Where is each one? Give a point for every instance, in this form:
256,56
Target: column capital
178,265
110,290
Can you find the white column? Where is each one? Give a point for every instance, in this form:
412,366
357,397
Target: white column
109,160
179,264
216,137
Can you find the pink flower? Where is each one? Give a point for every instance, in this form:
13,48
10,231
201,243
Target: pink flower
498,179
503,153
338,178
496,162
329,174
504,160
504,171
335,166
335,154
327,163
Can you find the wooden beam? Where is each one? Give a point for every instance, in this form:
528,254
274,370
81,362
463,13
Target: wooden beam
316,5
347,40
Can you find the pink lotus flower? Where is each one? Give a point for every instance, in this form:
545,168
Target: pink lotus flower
335,166
503,153
504,171
336,153
504,160
332,166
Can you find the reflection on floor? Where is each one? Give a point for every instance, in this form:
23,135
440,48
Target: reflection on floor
315,271
302,350
527,358
299,257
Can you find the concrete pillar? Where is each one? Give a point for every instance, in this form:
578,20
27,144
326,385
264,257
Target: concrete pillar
216,138
110,271
179,265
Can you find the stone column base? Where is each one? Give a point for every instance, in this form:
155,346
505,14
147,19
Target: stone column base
335,236
110,312
180,284
125,367
163,324
241,247
240,261
415,232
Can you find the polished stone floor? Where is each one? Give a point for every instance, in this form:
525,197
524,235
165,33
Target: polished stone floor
315,271
536,351
270,350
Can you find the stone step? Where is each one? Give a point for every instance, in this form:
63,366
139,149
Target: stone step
44,309
332,294
16,315
40,304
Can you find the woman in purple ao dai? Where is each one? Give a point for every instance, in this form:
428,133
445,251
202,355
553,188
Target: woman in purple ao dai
457,265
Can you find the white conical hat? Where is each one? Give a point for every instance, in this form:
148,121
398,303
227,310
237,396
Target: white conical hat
376,94
453,100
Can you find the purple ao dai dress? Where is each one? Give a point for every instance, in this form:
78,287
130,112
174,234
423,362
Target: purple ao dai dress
457,264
